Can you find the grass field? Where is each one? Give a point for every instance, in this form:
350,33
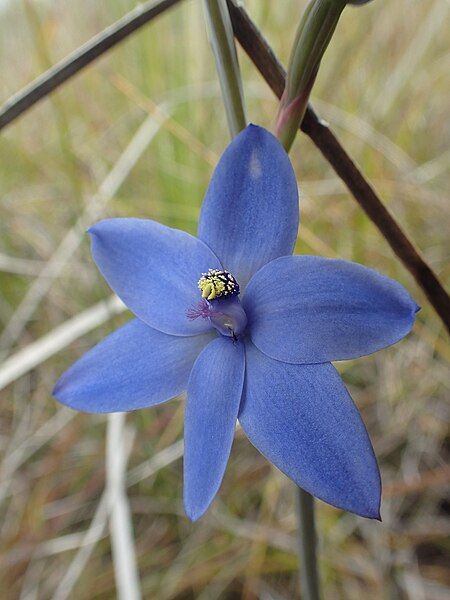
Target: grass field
137,134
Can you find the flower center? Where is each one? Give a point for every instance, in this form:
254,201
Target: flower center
217,284
220,303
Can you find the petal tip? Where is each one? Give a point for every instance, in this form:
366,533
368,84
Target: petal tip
60,388
373,509
95,230
66,392
259,135
194,513
259,132
57,389
373,513
59,392
113,225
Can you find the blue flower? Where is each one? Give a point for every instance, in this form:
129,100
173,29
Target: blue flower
265,360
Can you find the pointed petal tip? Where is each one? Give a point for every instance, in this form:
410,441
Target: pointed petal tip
194,513
258,131
371,510
112,225
95,230
62,393
95,234
58,391
414,309
258,135
372,514
254,127
367,512
362,507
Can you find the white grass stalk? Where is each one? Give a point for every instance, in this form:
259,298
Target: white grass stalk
20,266
96,530
46,346
120,521
90,539
22,452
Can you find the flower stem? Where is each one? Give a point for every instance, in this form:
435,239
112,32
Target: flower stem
221,38
307,540
313,35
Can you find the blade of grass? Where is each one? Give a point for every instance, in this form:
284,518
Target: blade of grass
120,522
37,352
221,38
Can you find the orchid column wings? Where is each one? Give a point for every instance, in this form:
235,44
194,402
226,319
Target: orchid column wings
264,359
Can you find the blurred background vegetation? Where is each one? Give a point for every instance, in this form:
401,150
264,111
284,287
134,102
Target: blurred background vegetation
384,87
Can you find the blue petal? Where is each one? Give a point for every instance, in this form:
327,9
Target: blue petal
250,212
303,420
307,309
154,270
134,367
214,394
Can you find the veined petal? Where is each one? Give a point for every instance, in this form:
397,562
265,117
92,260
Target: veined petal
134,367
250,212
307,309
212,405
154,269
303,420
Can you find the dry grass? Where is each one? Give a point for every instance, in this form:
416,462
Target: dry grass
384,87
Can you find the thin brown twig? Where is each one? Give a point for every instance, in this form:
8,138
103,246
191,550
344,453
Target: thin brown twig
80,58
326,141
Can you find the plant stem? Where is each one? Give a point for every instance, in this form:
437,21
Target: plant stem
313,35
221,37
307,544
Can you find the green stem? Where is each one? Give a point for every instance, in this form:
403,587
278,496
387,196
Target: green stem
221,37
313,35
307,550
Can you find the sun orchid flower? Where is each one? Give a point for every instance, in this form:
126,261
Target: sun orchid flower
247,329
